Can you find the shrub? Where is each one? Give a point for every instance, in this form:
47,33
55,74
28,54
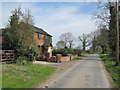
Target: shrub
65,52
30,53
111,67
23,61
19,35
76,58
55,52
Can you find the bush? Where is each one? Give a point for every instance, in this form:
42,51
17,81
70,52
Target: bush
23,61
65,52
30,54
76,58
55,52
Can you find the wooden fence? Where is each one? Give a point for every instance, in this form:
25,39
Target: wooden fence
6,55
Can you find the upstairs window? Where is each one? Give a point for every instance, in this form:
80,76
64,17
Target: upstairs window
39,36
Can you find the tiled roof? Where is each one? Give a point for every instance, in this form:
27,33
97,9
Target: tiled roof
41,31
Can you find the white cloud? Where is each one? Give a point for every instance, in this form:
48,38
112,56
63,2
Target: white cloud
57,21
66,20
56,0
0,14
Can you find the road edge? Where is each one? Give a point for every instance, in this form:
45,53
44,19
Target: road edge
58,72
109,77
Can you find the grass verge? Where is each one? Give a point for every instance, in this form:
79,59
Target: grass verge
114,71
16,76
76,58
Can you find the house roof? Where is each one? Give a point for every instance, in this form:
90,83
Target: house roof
2,30
41,31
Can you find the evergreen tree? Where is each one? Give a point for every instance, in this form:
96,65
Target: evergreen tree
19,35
112,28
11,36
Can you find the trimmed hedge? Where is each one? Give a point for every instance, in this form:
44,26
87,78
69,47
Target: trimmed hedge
65,52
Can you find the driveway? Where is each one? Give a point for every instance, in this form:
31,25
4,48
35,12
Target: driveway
88,73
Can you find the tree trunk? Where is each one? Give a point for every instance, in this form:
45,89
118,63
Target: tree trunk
70,45
102,50
65,46
84,46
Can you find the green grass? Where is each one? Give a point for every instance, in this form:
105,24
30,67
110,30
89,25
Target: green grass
87,53
76,58
111,68
15,76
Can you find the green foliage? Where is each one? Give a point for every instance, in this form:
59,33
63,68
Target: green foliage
23,61
31,53
110,66
50,39
45,49
22,76
47,38
19,35
107,26
76,58
65,52
112,28
11,37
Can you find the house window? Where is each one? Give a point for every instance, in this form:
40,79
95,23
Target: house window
39,36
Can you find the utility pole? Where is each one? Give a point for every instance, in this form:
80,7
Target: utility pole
117,41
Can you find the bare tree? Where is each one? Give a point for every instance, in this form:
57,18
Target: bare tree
60,44
85,40
106,16
68,39
103,39
94,40
78,47
103,13
100,39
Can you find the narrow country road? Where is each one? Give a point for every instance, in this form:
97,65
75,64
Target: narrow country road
88,73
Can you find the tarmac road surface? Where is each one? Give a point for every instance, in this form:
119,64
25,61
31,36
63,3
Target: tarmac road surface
90,73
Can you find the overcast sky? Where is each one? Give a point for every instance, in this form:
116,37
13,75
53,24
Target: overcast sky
57,18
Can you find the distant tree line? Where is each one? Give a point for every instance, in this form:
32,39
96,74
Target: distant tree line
105,18
67,41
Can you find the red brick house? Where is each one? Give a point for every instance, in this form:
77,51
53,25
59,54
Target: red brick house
44,41
42,38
